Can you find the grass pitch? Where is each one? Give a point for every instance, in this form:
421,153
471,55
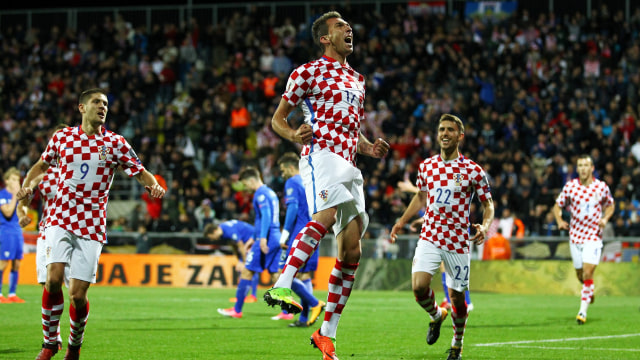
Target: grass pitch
175,323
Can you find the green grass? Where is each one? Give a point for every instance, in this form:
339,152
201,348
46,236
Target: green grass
157,323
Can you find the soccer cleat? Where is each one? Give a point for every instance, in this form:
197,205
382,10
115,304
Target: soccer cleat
454,353
315,312
282,316
4,300
581,318
325,344
73,352
249,299
47,352
434,328
298,323
231,312
283,297
15,299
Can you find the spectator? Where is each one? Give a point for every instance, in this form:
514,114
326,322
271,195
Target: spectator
497,247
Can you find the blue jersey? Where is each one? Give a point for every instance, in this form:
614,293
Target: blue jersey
267,225
238,231
267,215
10,224
297,209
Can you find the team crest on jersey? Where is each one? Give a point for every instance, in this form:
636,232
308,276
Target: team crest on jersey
103,151
457,178
324,195
289,191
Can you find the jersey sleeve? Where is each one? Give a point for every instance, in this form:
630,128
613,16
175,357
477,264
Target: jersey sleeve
298,84
127,158
482,188
563,197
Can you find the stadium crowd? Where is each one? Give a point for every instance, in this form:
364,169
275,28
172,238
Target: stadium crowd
195,100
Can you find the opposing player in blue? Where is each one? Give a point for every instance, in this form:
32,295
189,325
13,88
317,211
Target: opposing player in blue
297,216
241,234
265,252
11,239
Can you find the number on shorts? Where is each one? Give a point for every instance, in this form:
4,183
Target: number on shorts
460,271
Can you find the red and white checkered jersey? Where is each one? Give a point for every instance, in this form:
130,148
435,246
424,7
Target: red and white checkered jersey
47,187
87,165
451,186
331,96
585,205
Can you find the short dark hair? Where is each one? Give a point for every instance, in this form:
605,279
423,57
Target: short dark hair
249,172
289,158
320,27
84,97
210,228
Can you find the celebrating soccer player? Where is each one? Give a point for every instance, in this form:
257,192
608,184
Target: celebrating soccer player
447,183
331,94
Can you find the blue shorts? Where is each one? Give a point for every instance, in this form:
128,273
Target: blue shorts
11,245
257,261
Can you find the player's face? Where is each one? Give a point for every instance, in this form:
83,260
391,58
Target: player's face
249,184
13,184
340,36
95,110
585,169
286,171
449,135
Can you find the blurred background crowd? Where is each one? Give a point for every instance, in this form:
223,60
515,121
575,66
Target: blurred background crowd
195,100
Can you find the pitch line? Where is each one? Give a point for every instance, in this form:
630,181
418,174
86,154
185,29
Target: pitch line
558,340
571,348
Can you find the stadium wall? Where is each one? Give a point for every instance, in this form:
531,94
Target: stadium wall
513,277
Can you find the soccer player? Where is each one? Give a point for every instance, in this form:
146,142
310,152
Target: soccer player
587,198
75,231
331,94
11,239
265,252
447,183
297,216
241,233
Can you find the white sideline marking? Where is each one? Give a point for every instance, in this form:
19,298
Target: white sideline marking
571,348
558,340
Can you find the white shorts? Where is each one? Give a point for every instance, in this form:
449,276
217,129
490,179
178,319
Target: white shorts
41,258
588,252
80,254
329,181
428,257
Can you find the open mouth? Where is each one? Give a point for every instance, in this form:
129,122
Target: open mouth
348,40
